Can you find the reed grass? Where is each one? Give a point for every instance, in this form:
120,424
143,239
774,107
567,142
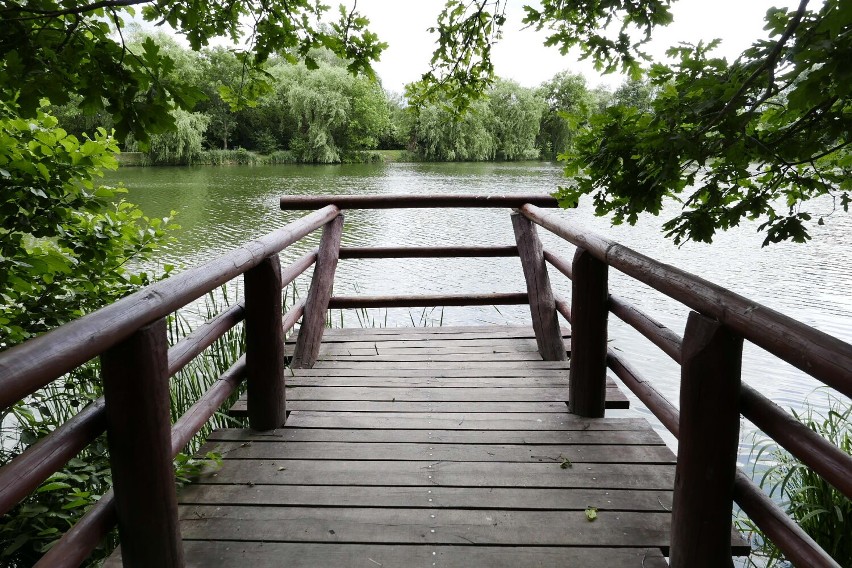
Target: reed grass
822,511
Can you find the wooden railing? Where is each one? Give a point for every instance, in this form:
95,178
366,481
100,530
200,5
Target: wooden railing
130,338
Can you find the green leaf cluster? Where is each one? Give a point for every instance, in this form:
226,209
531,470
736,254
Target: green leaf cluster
753,139
66,241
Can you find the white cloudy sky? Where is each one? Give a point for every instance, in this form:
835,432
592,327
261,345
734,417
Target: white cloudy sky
521,56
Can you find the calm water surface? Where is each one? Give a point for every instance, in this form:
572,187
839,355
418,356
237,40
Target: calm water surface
220,207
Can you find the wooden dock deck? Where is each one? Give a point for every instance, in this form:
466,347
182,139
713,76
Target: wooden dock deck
433,447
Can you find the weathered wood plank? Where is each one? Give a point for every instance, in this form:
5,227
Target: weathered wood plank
428,371
417,526
441,497
520,366
446,382
372,349
343,335
418,407
420,357
455,421
504,342
459,474
643,436
203,554
443,452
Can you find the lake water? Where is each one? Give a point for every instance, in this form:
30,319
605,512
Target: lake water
220,207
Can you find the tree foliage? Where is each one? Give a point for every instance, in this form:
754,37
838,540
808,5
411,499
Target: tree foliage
752,139
56,50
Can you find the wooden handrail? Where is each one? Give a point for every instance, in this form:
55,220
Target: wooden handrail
302,202
424,301
426,252
29,366
820,355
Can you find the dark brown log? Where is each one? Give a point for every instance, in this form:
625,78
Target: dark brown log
796,544
292,316
31,365
24,474
297,267
545,323
707,450
558,263
297,202
136,391
829,461
657,333
316,305
426,252
265,345
589,295
346,302
814,352
78,543
203,337
563,307
193,419
641,387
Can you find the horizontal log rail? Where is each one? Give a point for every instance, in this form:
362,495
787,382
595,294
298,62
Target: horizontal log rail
505,299
820,355
29,366
426,252
391,201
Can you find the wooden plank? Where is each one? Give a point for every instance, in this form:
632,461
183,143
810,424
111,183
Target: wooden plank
545,322
521,366
481,330
455,421
406,334
643,436
462,357
505,342
443,453
316,306
420,394
446,382
496,350
238,408
428,371
417,526
441,497
226,554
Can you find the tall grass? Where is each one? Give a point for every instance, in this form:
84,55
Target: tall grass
822,511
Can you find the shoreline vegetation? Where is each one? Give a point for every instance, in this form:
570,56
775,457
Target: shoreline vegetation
243,157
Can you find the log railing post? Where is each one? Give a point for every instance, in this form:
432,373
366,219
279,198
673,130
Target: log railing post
264,345
316,306
589,311
707,447
545,322
136,390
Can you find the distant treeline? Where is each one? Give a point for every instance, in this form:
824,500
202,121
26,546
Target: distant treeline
327,115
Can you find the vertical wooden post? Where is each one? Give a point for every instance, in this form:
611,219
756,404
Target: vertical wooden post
589,312
545,322
707,446
265,345
316,305
136,389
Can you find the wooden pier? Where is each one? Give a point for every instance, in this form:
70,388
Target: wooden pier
433,447
472,446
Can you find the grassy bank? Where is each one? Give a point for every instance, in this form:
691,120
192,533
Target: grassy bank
243,157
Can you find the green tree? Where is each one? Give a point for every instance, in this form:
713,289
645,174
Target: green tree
442,134
568,101
517,113
56,50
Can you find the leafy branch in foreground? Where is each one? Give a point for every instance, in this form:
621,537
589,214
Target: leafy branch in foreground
752,139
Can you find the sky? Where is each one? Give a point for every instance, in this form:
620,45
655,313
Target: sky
521,55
